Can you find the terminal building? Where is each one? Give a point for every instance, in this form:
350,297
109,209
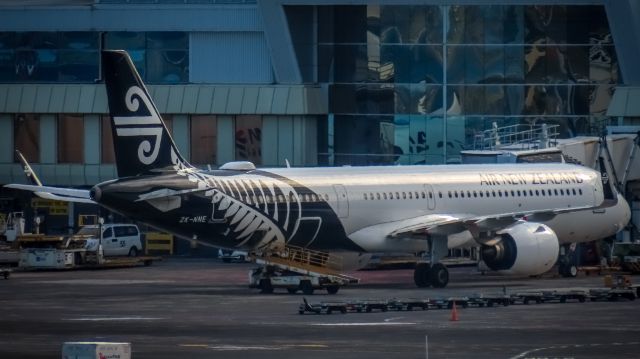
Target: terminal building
314,82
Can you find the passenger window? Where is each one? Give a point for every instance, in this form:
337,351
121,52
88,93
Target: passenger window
481,194
475,194
431,195
422,194
410,195
455,193
384,195
378,196
531,193
506,193
488,194
462,194
417,195
561,192
404,195
574,191
499,193
513,194
555,191
365,196
580,191
449,194
326,197
494,193
537,193
542,192
397,195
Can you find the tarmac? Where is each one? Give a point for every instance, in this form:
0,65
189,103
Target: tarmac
197,308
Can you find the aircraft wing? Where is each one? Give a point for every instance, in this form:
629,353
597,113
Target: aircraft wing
448,224
56,193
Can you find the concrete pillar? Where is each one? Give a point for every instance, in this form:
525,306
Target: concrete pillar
48,139
6,138
181,132
226,140
92,139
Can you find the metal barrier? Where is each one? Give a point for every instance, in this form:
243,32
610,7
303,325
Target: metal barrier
158,241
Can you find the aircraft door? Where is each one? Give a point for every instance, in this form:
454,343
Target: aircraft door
343,200
431,196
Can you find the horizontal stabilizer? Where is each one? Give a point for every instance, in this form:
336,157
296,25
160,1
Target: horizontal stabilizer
56,193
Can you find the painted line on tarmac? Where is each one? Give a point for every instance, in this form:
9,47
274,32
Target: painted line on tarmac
567,346
102,281
109,319
372,324
223,348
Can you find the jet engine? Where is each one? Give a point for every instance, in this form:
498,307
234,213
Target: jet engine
525,248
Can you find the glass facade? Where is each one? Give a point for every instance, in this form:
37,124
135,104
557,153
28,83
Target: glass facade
73,57
415,84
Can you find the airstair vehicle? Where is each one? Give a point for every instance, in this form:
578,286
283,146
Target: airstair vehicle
299,269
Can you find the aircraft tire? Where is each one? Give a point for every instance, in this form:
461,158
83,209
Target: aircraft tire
439,275
421,275
568,270
333,289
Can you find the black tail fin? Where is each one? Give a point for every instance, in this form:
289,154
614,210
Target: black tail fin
140,139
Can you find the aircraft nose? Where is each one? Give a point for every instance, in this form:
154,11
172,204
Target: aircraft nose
95,193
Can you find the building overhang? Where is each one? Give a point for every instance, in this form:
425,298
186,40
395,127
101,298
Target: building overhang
170,99
625,102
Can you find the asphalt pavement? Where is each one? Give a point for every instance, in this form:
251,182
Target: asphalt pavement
196,308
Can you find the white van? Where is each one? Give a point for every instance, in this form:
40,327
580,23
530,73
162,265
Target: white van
117,239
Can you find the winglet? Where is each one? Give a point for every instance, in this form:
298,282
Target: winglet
28,171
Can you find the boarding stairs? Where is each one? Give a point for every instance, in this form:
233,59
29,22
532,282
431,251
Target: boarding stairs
518,136
307,262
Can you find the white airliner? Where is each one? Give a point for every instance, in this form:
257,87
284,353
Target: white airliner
518,214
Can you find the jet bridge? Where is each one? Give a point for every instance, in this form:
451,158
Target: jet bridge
621,151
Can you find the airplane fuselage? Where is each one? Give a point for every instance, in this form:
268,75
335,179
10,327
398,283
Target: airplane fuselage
346,208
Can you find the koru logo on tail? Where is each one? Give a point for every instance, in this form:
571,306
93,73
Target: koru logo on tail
151,125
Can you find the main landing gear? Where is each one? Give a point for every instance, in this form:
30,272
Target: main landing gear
426,275
434,273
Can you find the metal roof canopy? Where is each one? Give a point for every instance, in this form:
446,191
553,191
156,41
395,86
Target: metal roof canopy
172,99
625,102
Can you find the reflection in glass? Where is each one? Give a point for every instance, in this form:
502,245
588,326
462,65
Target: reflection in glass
249,139
505,64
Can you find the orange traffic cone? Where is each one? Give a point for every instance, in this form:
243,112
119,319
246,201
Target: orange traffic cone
454,313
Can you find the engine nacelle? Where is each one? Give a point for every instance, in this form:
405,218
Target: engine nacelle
526,248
